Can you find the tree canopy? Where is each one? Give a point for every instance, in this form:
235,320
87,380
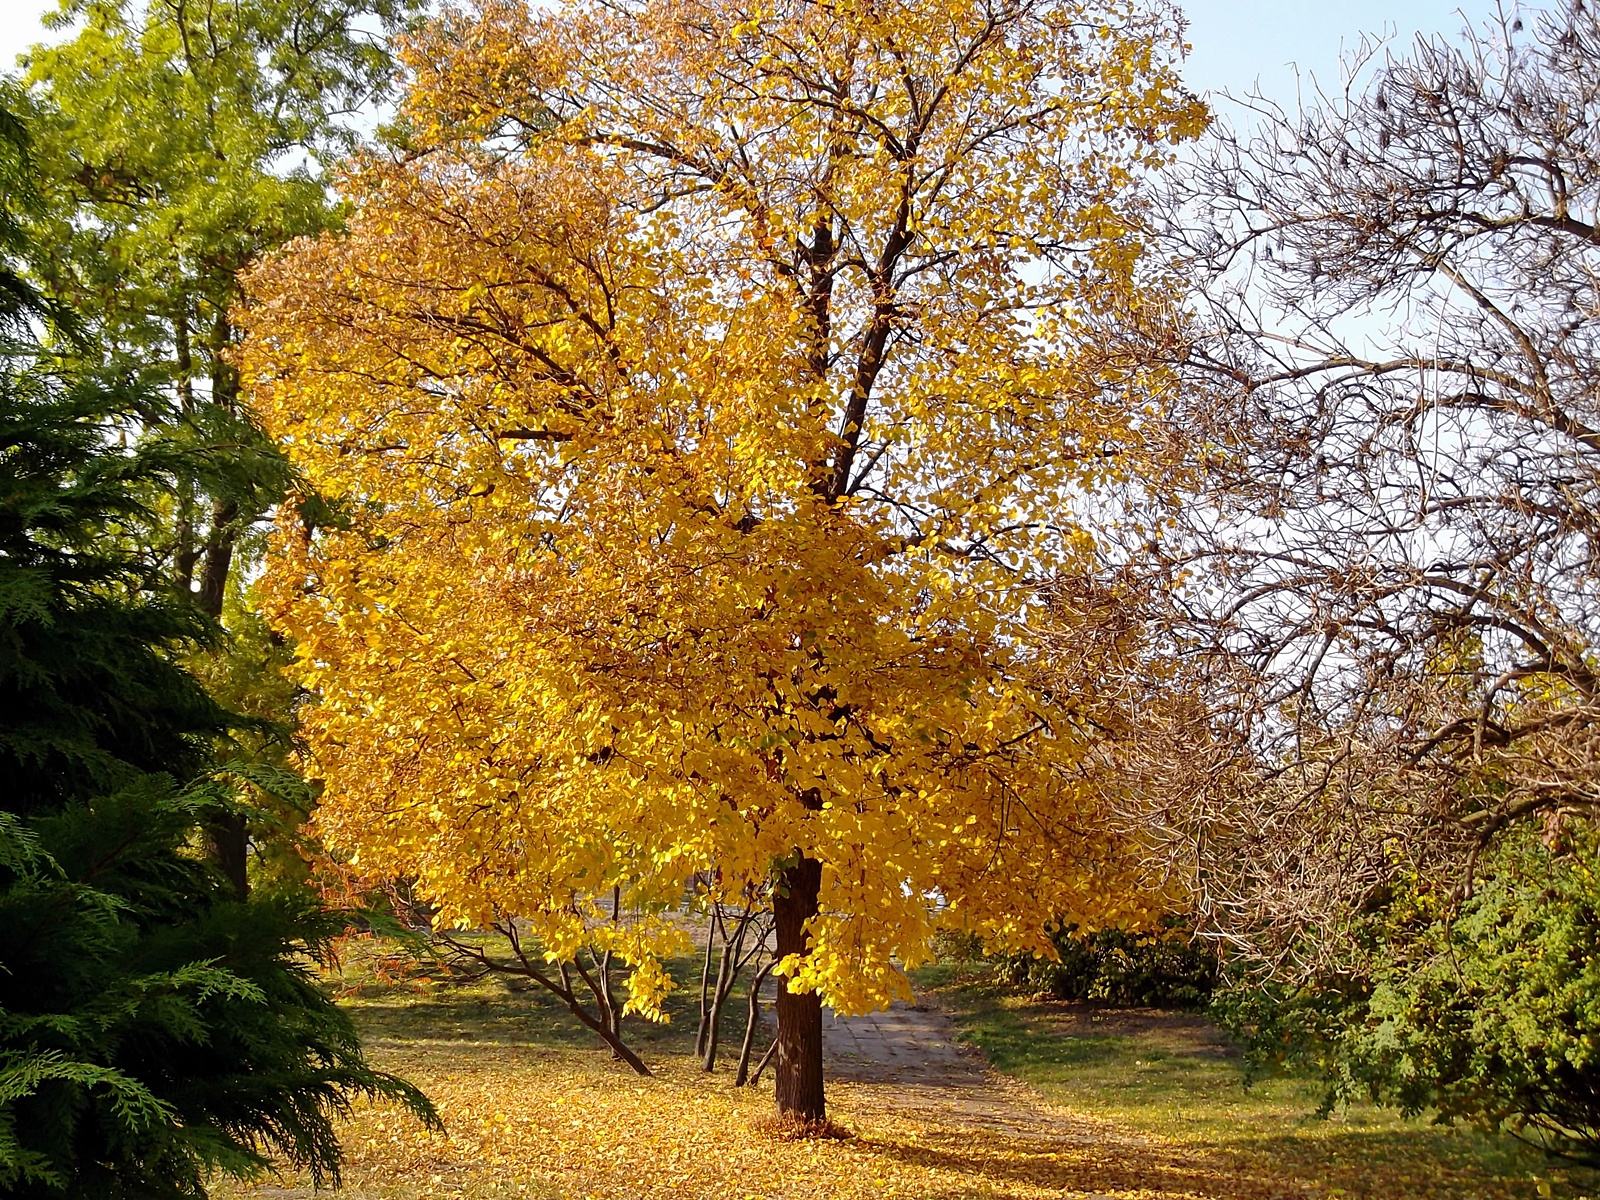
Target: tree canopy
708,391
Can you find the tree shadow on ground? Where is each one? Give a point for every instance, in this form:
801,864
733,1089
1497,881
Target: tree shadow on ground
1175,1075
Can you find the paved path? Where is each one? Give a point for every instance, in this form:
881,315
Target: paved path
912,1045
907,1060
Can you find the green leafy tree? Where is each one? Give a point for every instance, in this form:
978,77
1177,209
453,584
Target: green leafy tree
155,1027
177,141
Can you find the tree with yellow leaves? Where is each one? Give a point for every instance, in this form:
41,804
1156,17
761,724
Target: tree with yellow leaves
708,387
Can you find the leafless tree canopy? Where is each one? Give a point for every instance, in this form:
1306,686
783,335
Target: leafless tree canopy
1398,309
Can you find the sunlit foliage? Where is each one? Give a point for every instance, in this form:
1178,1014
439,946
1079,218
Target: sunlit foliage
708,390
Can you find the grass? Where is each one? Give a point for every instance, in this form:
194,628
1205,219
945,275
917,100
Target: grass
509,1010
1146,1106
1176,1075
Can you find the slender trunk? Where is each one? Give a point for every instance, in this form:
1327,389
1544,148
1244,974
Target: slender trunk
799,1042
229,845
761,1066
186,554
705,981
600,988
217,559
613,1009
727,972
218,556
751,1024
719,992
185,356
228,839
564,991
608,1024
610,1036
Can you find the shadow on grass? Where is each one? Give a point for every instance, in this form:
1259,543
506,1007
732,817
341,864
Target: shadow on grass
1134,1102
1175,1075
1165,1170
507,1011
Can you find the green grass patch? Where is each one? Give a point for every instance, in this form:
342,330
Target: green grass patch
1176,1075
415,1004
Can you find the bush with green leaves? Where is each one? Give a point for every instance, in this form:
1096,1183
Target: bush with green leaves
1164,969
1487,1011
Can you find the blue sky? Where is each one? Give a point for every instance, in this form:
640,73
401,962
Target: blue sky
1236,42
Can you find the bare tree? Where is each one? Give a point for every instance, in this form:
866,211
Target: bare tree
1399,290
744,933
584,982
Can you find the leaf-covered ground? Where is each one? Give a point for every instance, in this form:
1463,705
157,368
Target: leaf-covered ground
1127,1107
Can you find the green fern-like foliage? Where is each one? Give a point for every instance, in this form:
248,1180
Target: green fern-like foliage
155,1029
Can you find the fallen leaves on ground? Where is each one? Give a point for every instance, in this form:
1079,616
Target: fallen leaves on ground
526,1121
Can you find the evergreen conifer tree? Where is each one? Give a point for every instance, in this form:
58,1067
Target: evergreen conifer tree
155,1028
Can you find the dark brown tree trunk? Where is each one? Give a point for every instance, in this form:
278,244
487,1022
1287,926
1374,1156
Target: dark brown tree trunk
185,553
799,1067
230,850
228,840
218,559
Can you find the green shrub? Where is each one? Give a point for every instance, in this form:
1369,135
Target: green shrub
1167,969
1488,1014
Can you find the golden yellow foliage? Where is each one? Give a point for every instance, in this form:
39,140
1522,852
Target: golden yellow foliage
706,393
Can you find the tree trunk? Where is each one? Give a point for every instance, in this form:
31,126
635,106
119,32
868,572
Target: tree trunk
604,994
185,553
799,1066
230,850
613,1009
727,971
218,559
714,918
228,840
762,1065
751,1024
611,1037
610,1031
719,993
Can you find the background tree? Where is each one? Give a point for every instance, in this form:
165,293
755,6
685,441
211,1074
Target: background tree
709,388
1397,307
738,935
154,1028
177,142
